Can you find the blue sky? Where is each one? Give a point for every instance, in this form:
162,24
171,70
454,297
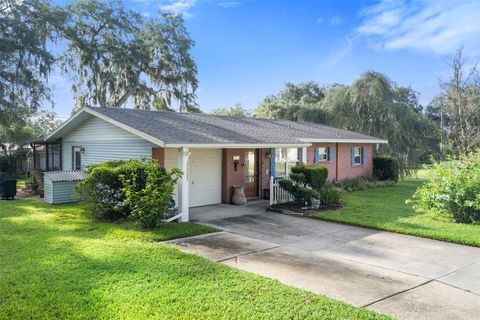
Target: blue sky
246,50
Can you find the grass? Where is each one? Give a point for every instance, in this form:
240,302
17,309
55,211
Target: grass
385,209
57,263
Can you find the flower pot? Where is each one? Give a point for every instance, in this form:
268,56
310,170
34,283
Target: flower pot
315,203
238,197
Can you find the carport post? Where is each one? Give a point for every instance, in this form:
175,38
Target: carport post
182,163
304,155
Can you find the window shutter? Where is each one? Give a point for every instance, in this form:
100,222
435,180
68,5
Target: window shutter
353,157
364,156
315,155
331,151
272,162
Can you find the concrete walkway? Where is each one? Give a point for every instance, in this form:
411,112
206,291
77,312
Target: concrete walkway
399,275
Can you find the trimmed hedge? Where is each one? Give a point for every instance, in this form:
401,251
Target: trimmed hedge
315,176
386,168
306,182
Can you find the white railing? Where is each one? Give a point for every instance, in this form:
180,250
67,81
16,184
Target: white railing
277,194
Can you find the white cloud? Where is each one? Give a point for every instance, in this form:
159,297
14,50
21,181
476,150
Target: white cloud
434,26
228,4
178,6
337,54
334,21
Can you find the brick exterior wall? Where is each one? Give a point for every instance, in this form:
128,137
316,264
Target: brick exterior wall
330,165
343,161
345,170
159,155
230,177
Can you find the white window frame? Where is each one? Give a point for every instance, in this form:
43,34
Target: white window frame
323,154
281,157
359,155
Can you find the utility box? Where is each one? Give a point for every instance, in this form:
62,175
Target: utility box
60,185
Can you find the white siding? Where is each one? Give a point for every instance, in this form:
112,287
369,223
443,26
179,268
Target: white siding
103,142
59,191
47,191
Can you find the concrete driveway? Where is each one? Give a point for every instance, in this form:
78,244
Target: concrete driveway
404,276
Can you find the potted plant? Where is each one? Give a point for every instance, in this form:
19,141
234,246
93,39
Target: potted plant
315,203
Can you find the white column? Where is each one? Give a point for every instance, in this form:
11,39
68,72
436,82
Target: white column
304,155
182,163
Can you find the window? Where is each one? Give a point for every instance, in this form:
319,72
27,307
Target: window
285,159
249,166
77,158
322,154
358,155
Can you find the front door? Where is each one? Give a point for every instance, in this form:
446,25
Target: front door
251,173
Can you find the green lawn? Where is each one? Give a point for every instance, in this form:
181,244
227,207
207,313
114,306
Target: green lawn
57,263
385,209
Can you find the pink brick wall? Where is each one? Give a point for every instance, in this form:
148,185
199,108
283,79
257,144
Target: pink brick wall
343,161
345,170
327,164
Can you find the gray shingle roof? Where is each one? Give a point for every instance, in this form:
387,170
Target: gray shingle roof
65,175
194,128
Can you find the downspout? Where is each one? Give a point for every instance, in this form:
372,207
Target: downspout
336,162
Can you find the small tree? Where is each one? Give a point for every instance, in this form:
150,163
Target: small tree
305,182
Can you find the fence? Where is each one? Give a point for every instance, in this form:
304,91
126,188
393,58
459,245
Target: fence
277,194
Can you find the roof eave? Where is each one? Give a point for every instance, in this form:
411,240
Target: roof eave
233,145
372,141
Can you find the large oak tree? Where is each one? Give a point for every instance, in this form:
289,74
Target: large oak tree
117,57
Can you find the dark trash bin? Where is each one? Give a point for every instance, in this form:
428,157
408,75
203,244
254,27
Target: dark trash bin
8,186
266,194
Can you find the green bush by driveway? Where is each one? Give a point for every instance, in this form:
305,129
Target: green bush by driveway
55,263
385,209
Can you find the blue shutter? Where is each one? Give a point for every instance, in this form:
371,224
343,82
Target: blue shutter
364,156
272,162
315,156
353,157
331,151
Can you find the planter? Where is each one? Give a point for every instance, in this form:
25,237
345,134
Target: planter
238,197
315,203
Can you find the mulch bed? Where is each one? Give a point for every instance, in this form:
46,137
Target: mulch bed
296,209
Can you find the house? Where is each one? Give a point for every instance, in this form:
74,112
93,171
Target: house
214,152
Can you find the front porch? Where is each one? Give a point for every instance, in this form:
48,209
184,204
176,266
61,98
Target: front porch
211,174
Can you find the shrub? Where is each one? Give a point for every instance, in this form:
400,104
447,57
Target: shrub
301,194
364,183
385,168
305,183
315,176
330,195
453,187
138,189
148,190
102,190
